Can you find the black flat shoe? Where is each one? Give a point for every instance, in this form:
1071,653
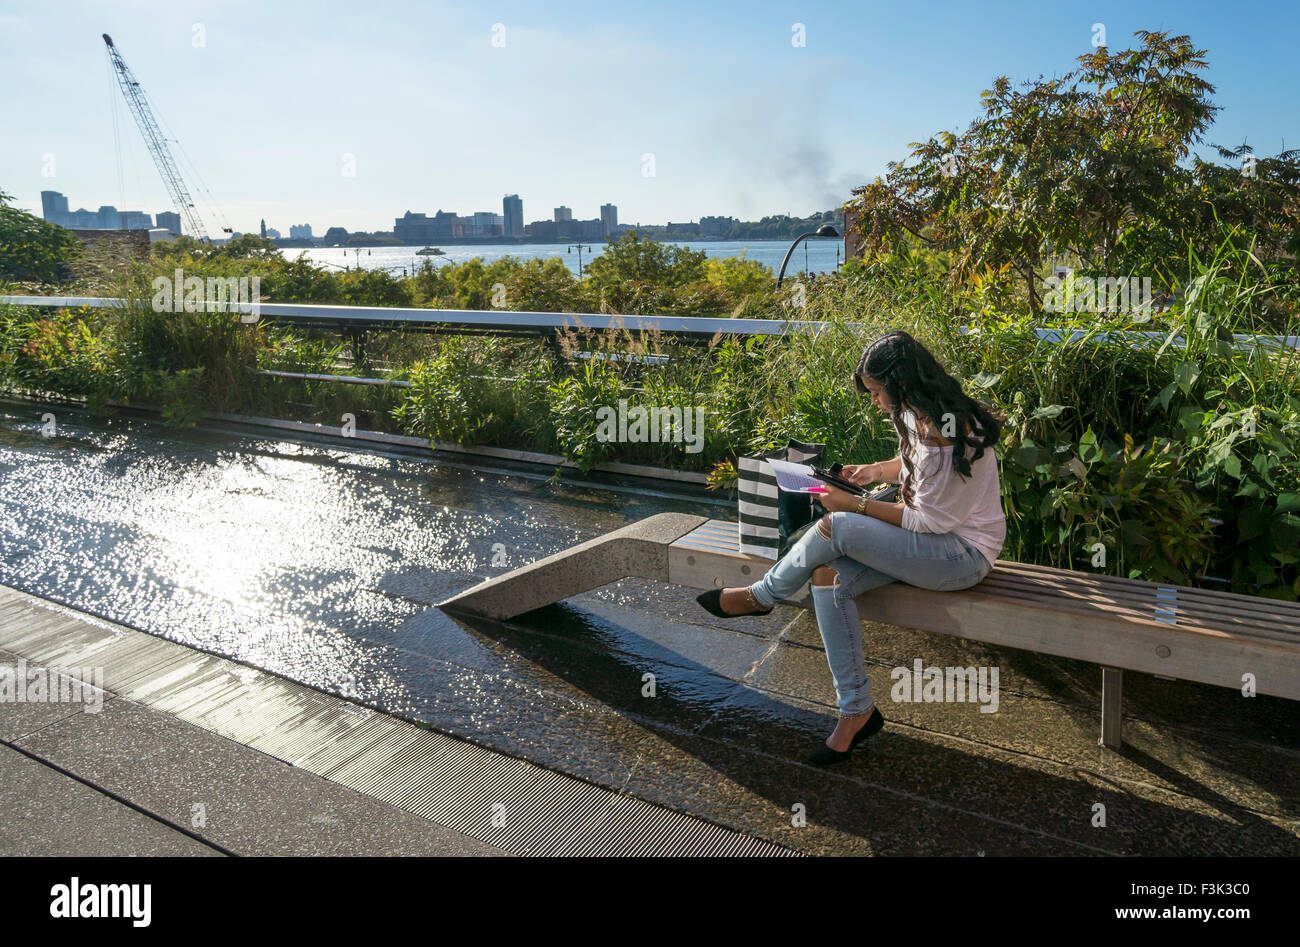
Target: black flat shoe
824,756
712,602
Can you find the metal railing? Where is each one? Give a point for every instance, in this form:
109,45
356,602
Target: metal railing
354,321
1149,336
468,320
504,321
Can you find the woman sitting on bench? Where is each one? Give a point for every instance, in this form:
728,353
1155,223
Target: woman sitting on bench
944,533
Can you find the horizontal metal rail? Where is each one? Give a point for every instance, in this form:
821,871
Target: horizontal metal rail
1151,336
361,318
367,317
344,379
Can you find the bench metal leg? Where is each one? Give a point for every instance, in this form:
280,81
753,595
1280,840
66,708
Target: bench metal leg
1112,707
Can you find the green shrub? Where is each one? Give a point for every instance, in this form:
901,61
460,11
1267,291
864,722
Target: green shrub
32,250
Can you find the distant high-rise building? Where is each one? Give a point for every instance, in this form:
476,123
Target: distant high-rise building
716,226
300,231
82,219
263,228
513,211
410,228
54,207
166,219
447,223
421,228
542,229
272,234
609,218
562,214
484,223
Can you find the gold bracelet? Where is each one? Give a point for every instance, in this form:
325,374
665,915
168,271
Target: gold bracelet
862,504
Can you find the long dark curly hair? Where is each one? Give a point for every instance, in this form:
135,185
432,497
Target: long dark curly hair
913,378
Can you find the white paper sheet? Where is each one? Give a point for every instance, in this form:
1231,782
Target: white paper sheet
796,478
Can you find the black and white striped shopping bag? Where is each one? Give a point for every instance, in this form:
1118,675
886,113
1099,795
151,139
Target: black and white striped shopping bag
768,516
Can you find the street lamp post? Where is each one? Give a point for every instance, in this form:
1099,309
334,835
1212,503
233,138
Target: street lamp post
825,230
580,247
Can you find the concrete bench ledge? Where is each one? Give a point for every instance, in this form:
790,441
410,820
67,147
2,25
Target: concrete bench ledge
638,549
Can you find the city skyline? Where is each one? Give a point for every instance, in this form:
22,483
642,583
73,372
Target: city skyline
55,208
743,110
411,227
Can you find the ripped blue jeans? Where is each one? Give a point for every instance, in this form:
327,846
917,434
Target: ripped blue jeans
866,553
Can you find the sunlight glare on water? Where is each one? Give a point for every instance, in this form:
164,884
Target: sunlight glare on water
319,564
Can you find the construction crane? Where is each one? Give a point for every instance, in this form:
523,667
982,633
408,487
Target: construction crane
157,144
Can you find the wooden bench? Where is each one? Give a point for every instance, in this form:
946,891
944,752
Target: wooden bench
1120,624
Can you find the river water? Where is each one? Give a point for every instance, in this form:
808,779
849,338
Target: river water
816,255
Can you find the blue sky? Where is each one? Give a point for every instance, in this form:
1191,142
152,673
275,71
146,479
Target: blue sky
738,119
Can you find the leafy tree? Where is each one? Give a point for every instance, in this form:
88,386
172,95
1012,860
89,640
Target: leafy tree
1092,164
638,275
298,281
32,249
542,286
1260,195
373,288
739,277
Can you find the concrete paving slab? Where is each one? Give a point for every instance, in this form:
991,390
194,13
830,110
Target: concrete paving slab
43,812
251,803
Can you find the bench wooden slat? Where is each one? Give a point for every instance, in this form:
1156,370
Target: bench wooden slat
1181,608
1209,656
1287,611
1105,609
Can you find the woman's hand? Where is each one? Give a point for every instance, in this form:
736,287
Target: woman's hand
836,500
861,474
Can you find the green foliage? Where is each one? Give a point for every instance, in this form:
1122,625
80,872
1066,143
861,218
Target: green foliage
210,352
458,394
179,393
32,250
57,351
542,286
642,276
440,405
298,281
185,362
738,277
1122,508
245,247
575,401
373,288
1089,166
